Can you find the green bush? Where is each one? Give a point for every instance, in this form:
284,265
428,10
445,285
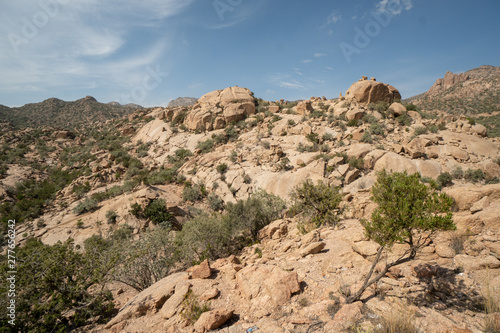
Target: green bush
457,173
313,137
474,176
366,138
53,288
408,212
156,211
222,168
192,309
85,206
136,210
404,119
193,192
180,155
376,129
352,123
111,216
445,179
206,146
146,260
204,237
215,202
254,213
420,130
318,202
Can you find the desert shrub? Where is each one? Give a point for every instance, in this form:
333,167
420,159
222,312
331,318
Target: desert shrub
156,211
402,320
327,137
411,107
457,173
408,212
356,163
445,179
457,241
284,164
85,206
291,122
124,232
180,155
369,119
313,137
247,179
367,138
233,156
404,119
146,260
215,202
206,146
81,189
376,129
441,126
352,123
162,176
222,168
474,176
191,307
420,130
204,237
111,216
193,192
251,215
142,149
471,121
318,202
303,148
46,299
265,144
433,128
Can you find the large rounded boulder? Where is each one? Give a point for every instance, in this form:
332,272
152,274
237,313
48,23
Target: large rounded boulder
220,107
370,91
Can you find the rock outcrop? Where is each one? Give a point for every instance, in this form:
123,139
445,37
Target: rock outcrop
220,107
448,81
370,91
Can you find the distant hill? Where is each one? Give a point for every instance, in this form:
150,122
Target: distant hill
62,114
475,94
182,101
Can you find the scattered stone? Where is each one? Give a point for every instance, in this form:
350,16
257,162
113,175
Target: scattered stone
201,271
312,248
211,320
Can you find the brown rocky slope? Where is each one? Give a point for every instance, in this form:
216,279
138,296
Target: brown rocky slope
292,282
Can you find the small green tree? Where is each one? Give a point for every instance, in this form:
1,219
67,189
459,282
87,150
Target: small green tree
319,202
408,212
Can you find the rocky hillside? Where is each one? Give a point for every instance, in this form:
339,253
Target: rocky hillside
475,94
62,114
182,101
162,169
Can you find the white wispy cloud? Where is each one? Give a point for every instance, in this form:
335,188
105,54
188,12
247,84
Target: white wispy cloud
333,18
78,44
319,55
395,7
305,61
291,85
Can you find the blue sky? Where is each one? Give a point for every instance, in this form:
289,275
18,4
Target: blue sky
151,51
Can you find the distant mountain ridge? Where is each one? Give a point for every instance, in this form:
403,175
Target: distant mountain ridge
63,114
473,92
183,101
